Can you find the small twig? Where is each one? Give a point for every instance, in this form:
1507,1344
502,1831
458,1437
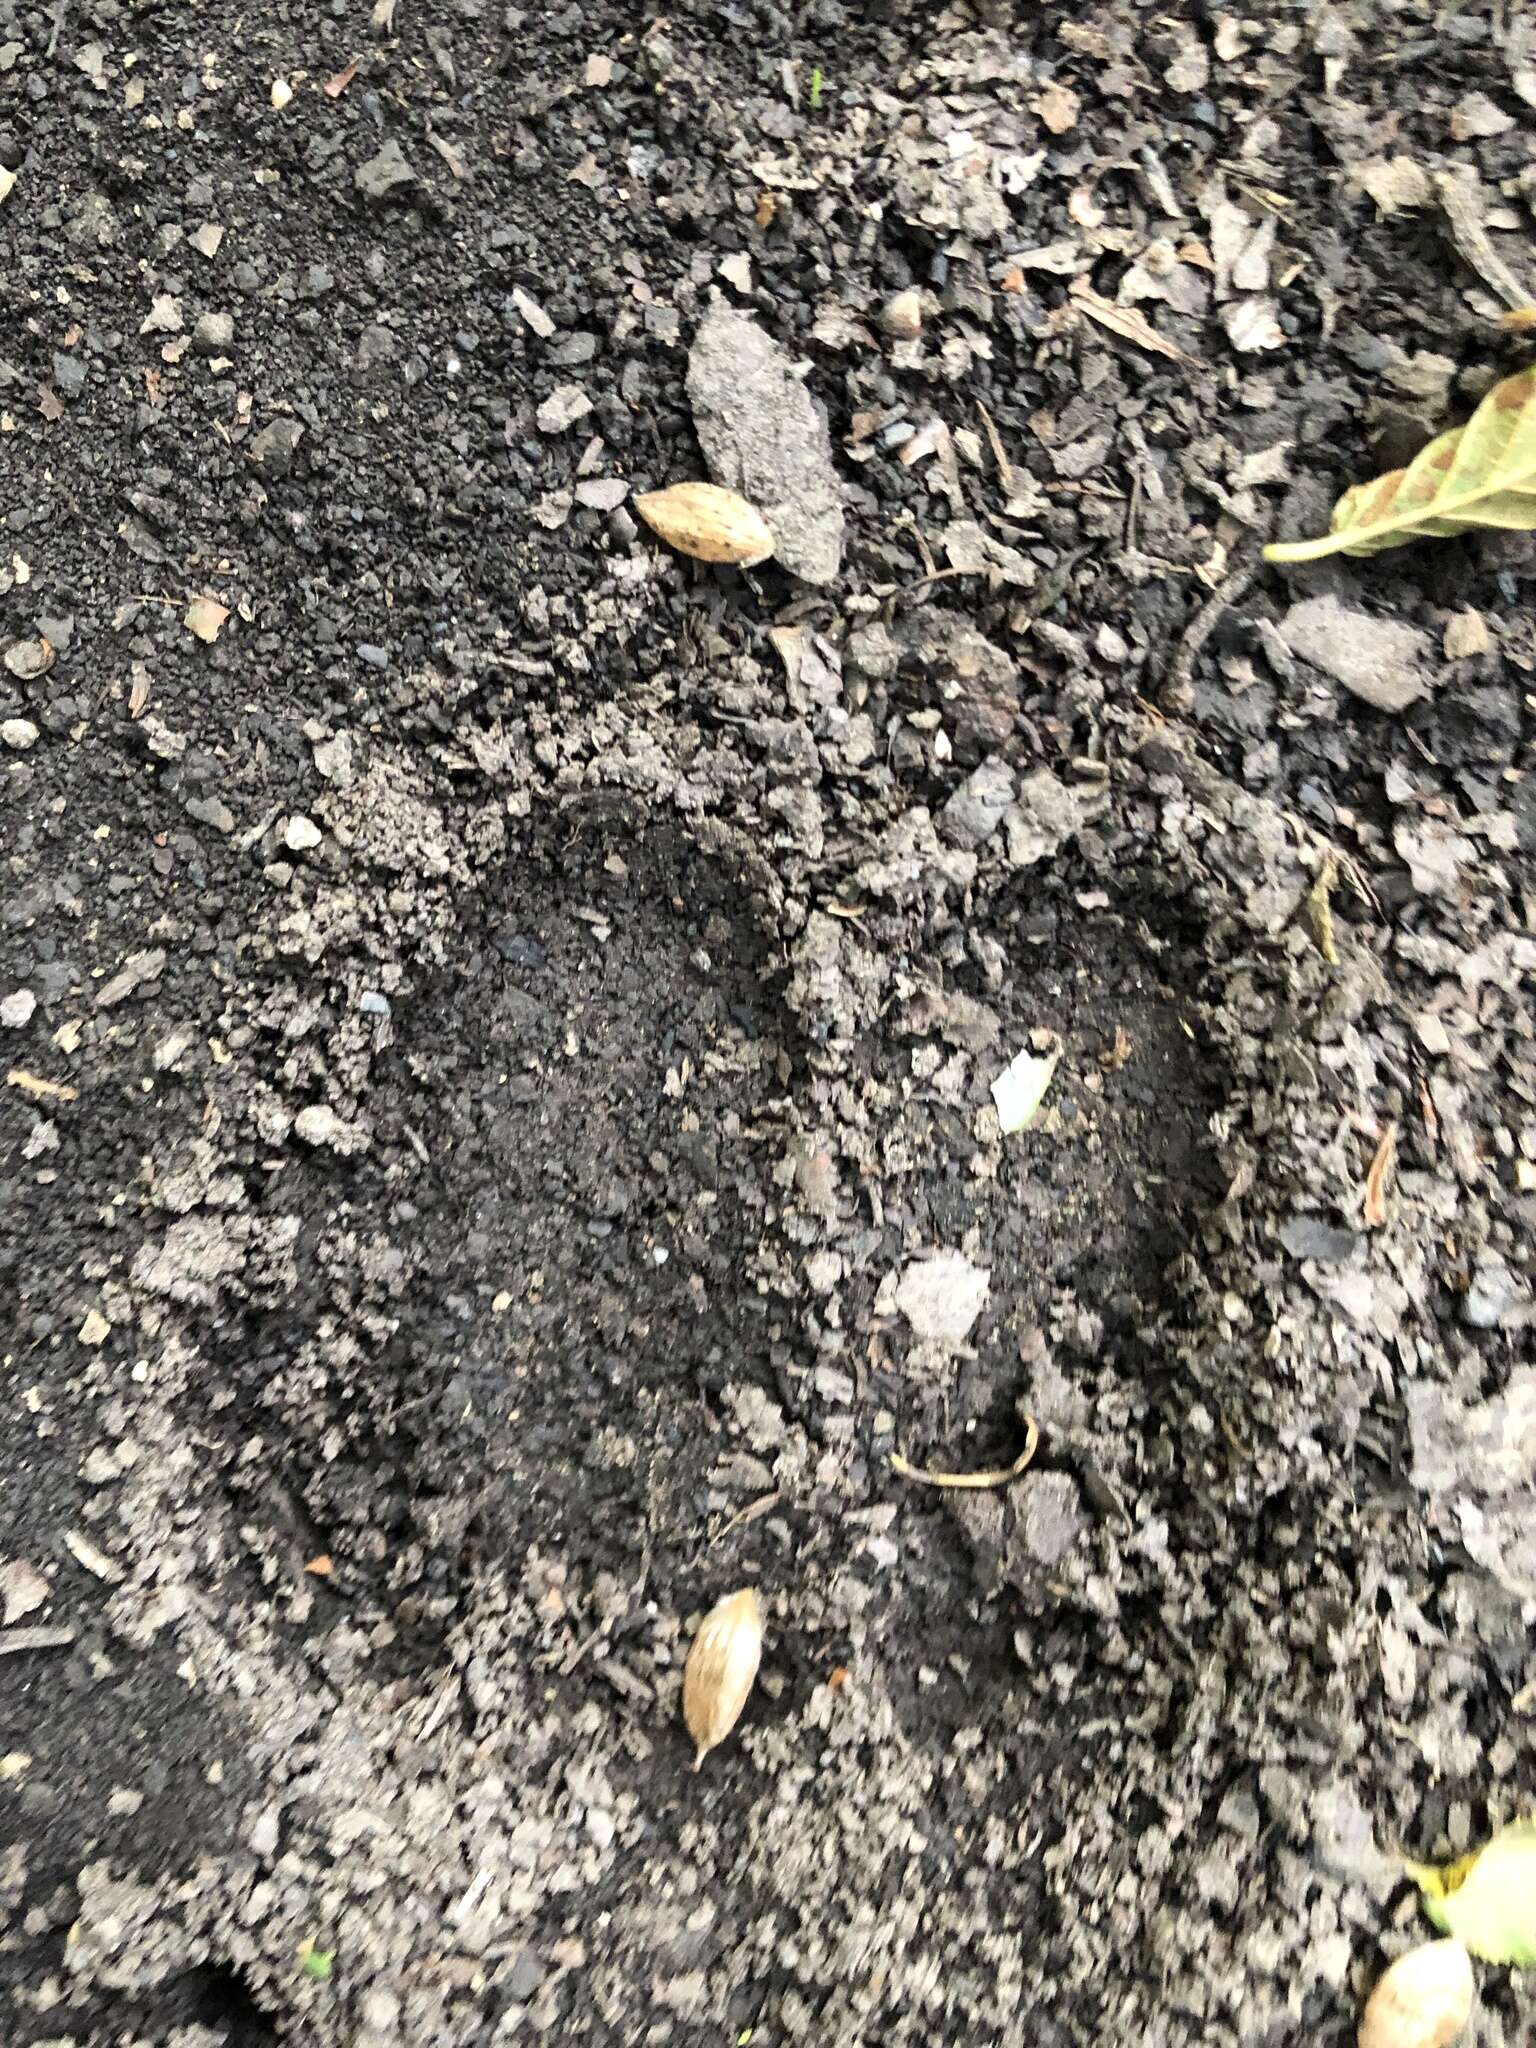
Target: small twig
763,1505
1175,692
1002,1477
59,13
934,576
1004,466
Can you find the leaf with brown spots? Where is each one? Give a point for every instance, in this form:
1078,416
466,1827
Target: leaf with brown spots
1477,476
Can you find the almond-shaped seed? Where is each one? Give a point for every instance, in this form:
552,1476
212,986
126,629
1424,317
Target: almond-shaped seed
721,1667
708,522
1423,2001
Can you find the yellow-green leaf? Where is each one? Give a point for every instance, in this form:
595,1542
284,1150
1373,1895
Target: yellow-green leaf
1487,1900
1476,476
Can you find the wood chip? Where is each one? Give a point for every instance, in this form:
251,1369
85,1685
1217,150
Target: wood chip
205,618
1058,107
41,1090
1003,1476
449,154
1127,323
337,84
1377,1177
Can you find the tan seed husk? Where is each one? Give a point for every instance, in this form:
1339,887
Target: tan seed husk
721,1667
1423,2001
708,522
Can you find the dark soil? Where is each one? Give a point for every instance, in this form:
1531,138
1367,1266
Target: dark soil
493,1037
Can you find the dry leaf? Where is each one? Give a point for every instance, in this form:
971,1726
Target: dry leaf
336,85
1423,2001
721,1668
1518,320
1376,1179
1126,322
320,1567
1477,476
205,617
708,522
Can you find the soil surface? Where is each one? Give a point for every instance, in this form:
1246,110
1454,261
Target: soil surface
498,1020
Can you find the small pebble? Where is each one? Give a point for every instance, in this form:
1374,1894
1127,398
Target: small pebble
300,834
19,733
214,333
902,316
16,1010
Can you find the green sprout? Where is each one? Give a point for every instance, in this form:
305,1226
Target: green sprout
816,85
316,1962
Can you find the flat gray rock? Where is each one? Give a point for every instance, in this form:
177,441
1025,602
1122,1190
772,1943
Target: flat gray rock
1381,661
941,1297
763,435
384,175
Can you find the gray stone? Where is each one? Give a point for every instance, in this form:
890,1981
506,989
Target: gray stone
16,1010
1382,661
214,333
1496,1297
763,435
977,807
1051,1520
1046,814
566,404
1311,1237
137,969
941,1297
272,450
319,1125
384,175
208,810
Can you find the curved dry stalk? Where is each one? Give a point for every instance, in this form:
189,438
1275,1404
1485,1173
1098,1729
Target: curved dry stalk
1002,1477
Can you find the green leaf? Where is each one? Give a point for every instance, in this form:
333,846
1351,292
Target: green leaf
1487,1900
1480,475
316,1962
